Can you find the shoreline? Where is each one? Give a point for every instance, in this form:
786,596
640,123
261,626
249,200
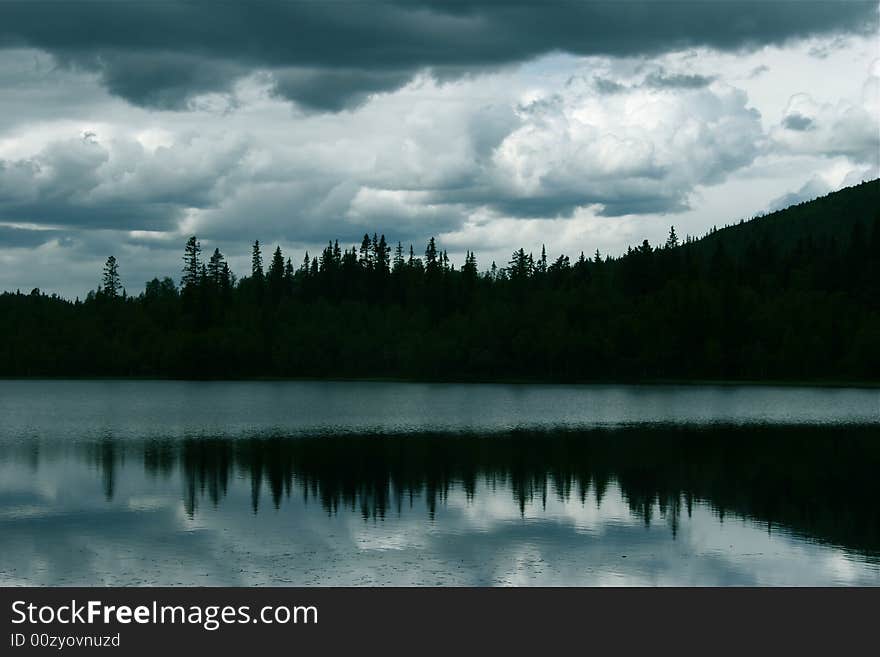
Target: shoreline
775,383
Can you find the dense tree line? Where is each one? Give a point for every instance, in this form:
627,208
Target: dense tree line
791,295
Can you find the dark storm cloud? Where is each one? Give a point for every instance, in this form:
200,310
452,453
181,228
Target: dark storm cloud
798,122
67,212
163,80
610,204
162,53
659,79
662,80
335,89
13,237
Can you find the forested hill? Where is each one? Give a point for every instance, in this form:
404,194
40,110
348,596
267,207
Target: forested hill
834,219
792,295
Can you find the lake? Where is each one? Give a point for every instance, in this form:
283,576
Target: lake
356,483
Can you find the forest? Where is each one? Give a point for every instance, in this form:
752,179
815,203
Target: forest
788,296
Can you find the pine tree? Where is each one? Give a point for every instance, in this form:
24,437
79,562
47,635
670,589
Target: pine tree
672,240
276,274
398,258
226,278
328,262
431,263
382,251
560,265
192,267
216,269
111,284
521,265
469,269
365,260
257,263
288,277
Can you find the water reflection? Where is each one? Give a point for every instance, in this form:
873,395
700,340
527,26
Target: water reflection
719,505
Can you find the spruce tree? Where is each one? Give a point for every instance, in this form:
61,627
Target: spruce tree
226,278
398,258
192,266
431,260
111,284
276,274
382,251
288,277
216,268
365,260
257,263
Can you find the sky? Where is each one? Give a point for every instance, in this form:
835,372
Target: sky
126,127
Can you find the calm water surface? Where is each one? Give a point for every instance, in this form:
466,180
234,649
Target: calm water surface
304,483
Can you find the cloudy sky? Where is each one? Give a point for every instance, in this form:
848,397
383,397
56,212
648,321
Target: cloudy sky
127,126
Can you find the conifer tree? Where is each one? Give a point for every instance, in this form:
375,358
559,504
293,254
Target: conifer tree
365,260
521,265
398,258
257,263
276,274
226,278
469,269
216,269
111,284
382,251
192,266
288,277
431,263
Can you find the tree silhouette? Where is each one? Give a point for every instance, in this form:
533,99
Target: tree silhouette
217,270
732,304
111,285
192,266
275,277
257,263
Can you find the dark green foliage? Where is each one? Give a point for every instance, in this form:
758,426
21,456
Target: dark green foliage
792,295
276,275
257,263
192,266
111,285
218,275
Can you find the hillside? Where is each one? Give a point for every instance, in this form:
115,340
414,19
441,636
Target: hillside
838,217
792,295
